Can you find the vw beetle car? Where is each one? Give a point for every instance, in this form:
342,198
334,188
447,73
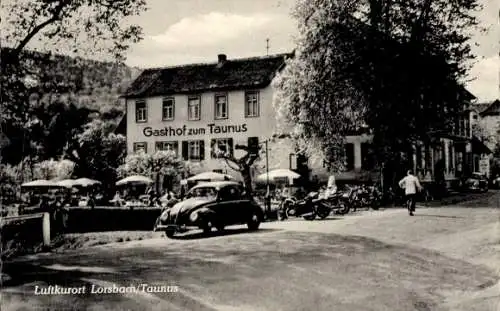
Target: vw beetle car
211,205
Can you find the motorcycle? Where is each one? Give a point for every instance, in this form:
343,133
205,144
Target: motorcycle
340,202
366,196
308,208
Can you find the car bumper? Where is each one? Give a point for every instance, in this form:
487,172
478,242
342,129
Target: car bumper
175,228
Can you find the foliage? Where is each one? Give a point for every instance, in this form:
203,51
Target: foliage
12,176
51,169
34,76
166,163
351,71
479,131
97,152
67,24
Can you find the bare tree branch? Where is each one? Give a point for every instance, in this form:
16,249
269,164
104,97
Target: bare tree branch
238,168
55,16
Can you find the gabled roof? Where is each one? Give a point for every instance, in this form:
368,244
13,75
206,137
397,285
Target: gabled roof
255,72
493,109
480,107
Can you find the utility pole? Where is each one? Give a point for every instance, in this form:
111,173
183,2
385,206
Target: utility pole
267,46
268,193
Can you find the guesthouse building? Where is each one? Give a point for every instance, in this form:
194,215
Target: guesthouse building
197,109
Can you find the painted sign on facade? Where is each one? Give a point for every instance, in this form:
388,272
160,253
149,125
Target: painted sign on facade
190,131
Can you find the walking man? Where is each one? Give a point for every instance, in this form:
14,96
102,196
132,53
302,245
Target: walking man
411,184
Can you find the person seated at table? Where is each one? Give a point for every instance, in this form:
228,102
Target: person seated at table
330,190
117,200
44,205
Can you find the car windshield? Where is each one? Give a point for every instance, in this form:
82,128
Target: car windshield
203,192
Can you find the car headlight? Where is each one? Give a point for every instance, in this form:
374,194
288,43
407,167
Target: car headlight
164,216
193,217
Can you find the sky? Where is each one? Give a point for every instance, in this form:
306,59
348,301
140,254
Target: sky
192,31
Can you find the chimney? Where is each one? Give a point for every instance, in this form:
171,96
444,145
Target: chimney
222,59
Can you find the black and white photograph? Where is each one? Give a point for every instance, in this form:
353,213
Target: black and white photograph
250,155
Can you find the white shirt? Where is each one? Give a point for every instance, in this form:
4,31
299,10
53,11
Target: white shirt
410,183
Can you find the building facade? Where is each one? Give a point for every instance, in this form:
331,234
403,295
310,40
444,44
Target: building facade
195,110
487,118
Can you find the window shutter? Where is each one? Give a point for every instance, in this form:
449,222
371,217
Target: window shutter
212,148
173,108
176,148
185,147
367,156
231,149
202,150
349,153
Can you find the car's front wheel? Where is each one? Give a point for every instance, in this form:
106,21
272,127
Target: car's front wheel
169,233
254,222
207,227
221,228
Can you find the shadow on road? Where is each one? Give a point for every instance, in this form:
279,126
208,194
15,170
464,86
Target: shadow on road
438,216
213,234
24,273
327,219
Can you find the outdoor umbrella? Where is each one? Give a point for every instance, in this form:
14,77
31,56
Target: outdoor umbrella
135,179
40,183
278,174
210,176
85,182
68,183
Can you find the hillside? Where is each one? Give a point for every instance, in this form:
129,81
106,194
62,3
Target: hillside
88,83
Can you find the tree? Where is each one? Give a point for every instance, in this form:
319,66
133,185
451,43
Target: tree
97,152
315,98
51,169
165,163
242,165
78,28
390,66
98,24
161,163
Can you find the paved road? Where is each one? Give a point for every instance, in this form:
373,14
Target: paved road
441,259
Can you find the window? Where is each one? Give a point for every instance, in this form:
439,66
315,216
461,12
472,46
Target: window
251,104
221,106
194,108
141,111
167,146
193,150
142,146
168,109
349,156
221,144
